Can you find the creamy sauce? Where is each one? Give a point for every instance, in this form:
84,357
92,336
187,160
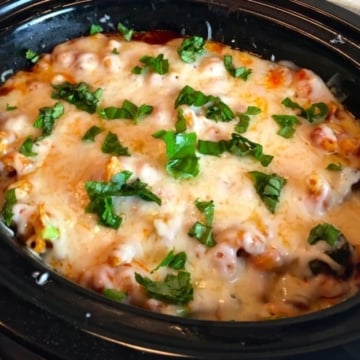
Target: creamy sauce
258,268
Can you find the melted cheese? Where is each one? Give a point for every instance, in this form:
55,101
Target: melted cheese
249,274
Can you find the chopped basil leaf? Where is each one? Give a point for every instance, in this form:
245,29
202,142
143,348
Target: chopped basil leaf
47,117
238,145
175,289
111,145
7,209
241,72
268,187
204,232
79,95
114,294
180,125
325,232
50,232
316,112
334,167
95,29
160,65
26,147
91,133
32,55
182,162
173,261
214,108
128,110
101,193
286,123
10,107
191,49
244,119
125,31
115,51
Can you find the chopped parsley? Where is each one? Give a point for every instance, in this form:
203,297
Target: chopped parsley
91,133
115,295
95,29
204,232
214,108
316,112
335,167
244,118
125,31
101,193
27,147
7,209
287,125
79,95
175,289
191,49
182,163
238,145
32,56
268,187
324,232
112,145
128,110
47,117
158,64
241,72
173,261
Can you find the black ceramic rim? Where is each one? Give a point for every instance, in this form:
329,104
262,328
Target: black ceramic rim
286,29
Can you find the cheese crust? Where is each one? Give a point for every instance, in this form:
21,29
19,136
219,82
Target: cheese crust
259,266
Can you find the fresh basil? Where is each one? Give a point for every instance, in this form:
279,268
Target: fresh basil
182,163
91,133
158,64
112,146
47,117
115,295
191,49
268,187
79,95
241,72
95,29
32,56
175,289
180,125
173,261
27,147
244,118
335,167
10,107
324,232
287,125
125,31
50,232
7,209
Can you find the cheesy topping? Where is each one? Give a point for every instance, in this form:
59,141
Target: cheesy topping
189,184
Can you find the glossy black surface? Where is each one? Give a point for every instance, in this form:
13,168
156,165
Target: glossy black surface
97,328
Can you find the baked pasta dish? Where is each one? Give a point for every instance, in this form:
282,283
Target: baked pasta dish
183,176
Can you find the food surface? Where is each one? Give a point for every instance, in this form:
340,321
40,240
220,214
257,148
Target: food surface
183,176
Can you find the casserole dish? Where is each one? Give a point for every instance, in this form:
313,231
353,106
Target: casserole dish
291,30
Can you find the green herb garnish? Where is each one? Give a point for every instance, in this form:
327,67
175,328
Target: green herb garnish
268,187
7,209
214,108
238,145
182,163
125,31
10,107
324,232
112,145
287,125
47,117
204,232
115,295
175,289
316,112
241,72
32,56
91,133
180,125
128,110
79,95
335,167
191,49
26,147
158,64
50,232
173,261
95,29
244,118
